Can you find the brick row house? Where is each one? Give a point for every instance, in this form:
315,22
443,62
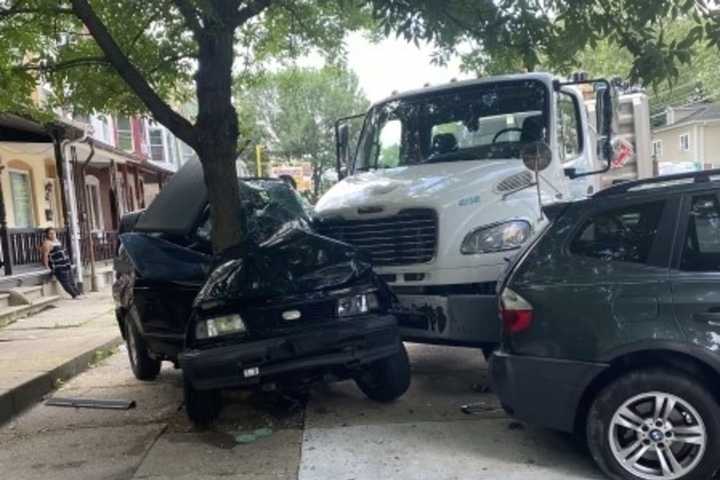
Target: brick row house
79,174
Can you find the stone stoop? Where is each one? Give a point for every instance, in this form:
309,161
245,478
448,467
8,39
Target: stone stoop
21,302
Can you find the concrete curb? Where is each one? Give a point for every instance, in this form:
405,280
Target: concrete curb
19,398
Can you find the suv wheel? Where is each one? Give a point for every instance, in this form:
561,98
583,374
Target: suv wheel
202,406
655,425
386,379
144,367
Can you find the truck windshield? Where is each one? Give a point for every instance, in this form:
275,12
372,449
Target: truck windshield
486,122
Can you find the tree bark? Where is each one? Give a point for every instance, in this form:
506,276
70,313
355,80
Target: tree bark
217,135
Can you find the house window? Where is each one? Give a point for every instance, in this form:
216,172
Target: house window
21,191
657,149
81,117
157,144
104,128
124,134
685,142
92,188
172,150
186,153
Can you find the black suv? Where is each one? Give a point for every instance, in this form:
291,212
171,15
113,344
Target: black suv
612,327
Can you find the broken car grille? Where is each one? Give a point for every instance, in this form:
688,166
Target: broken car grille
406,238
269,318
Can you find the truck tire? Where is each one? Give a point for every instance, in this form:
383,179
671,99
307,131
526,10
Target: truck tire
386,379
202,406
655,424
144,366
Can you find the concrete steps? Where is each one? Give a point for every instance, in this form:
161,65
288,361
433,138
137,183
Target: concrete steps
22,302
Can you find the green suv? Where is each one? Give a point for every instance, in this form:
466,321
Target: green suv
612,327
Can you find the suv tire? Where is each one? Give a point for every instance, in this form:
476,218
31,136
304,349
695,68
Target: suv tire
386,379
623,421
202,406
144,366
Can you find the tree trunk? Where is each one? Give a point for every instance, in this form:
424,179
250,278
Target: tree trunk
217,133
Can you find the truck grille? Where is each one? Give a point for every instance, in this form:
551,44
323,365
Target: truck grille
406,238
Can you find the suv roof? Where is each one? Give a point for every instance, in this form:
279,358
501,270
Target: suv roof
677,183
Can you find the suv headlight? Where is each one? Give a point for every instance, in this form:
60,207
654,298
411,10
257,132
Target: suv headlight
357,304
218,326
496,238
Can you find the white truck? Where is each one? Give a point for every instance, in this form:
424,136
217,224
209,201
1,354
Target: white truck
438,192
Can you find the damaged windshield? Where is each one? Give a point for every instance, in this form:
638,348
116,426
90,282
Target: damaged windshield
485,122
271,206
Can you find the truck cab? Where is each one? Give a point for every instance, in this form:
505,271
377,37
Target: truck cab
438,192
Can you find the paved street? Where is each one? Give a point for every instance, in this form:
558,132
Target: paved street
338,434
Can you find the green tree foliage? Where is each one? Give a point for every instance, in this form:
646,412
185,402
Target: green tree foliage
515,35
294,112
144,57
140,56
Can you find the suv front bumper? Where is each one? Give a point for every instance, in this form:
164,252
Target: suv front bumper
346,345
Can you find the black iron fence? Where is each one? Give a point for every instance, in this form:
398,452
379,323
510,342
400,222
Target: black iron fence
23,248
104,246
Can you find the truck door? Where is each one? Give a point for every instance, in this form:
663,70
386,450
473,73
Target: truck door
696,272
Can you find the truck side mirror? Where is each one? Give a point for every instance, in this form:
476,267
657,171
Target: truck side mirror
342,145
605,111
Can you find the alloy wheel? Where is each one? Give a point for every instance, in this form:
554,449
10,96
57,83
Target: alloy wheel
657,436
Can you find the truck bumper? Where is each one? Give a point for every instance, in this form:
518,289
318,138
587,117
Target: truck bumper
470,320
541,391
349,346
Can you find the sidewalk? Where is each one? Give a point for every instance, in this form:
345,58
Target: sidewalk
39,352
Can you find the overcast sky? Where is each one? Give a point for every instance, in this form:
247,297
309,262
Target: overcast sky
391,64
394,64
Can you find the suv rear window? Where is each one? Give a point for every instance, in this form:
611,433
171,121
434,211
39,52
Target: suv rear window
622,235
701,252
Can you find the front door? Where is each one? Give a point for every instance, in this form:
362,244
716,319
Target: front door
696,272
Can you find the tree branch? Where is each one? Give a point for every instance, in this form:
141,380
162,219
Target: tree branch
190,14
249,11
9,12
75,62
162,112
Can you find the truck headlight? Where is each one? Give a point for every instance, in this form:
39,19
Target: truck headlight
357,304
496,238
218,326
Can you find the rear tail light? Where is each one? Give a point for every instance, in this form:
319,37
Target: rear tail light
515,311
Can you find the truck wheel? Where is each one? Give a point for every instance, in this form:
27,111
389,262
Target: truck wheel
655,424
386,379
202,406
143,365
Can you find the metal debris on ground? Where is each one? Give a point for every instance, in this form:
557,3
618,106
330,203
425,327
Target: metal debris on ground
250,437
91,403
477,408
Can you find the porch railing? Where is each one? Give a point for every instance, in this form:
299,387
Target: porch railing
24,248
104,246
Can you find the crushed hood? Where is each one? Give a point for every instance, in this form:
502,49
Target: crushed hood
292,262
